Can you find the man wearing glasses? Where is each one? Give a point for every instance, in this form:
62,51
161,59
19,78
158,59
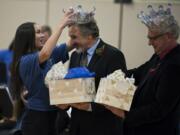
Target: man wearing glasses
155,109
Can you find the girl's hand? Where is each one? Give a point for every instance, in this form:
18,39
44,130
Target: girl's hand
67,19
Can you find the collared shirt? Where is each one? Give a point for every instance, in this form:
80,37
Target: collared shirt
91,50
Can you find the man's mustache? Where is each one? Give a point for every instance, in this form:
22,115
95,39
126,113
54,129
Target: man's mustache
79,48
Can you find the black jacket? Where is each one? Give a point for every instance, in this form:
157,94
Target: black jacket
155,109
100,121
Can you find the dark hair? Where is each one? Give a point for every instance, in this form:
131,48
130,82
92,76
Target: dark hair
11,45
87,29
46,28
24,43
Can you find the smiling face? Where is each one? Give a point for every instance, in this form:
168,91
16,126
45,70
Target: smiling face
39,37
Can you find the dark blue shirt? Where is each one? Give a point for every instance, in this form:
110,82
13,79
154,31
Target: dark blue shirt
33,75
6,57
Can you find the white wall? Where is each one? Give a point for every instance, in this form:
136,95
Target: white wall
133,43
15,12
107,18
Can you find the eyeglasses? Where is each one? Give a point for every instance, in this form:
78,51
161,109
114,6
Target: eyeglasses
156,37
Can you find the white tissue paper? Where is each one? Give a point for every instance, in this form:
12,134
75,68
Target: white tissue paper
65,91
116,90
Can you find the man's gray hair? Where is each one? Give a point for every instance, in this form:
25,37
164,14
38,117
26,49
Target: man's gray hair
174,30
89,28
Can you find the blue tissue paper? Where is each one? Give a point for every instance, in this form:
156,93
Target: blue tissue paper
79,72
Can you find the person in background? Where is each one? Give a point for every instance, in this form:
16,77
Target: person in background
32,58
155,108
46,30
6,57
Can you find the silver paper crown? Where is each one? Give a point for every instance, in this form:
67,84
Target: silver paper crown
160,19
81,16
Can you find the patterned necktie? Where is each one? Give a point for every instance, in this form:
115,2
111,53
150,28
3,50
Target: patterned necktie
84,59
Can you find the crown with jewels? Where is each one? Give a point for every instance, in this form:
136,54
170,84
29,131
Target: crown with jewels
160,19
81,16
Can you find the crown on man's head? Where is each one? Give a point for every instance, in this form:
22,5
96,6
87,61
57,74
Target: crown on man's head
81,16
160,19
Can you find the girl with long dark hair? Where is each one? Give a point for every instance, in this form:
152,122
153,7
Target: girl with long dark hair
31,61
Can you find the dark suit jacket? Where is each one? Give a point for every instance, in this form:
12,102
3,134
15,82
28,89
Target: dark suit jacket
140,73
155,108
100,121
